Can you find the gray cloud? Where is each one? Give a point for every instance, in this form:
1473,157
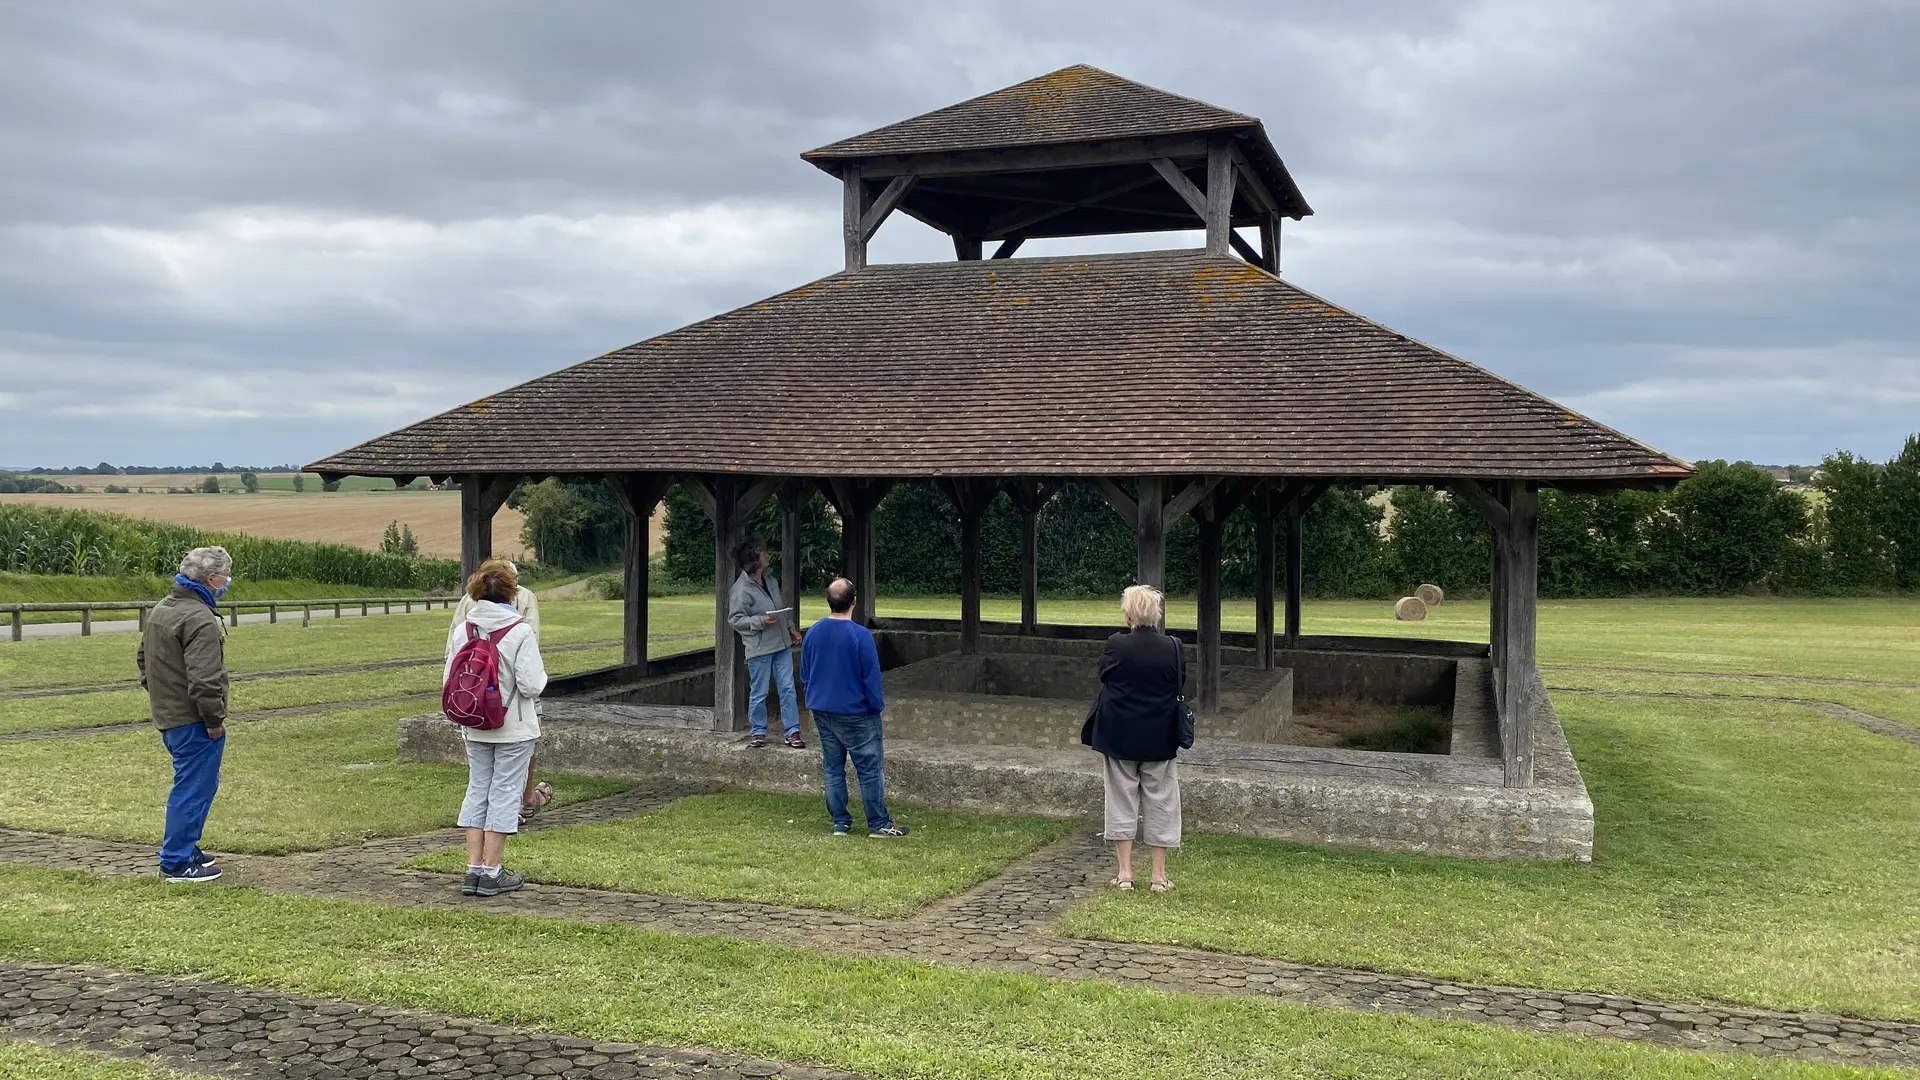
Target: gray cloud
263,232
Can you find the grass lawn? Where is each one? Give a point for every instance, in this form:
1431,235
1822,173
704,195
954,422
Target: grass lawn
130,706
884,1018
25,1061
292,784
775,849
1745,851
1899,703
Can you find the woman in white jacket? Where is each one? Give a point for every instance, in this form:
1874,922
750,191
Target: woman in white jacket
498,760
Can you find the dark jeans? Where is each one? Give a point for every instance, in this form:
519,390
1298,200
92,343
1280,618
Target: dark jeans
857,737
196,776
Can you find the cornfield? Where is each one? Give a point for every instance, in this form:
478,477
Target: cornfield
44,540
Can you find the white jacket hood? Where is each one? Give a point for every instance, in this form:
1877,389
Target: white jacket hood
489,616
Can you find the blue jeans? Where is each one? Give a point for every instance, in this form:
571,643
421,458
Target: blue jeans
780,666
196,776
858,737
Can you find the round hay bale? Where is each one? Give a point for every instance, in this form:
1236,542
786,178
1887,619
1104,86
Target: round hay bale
1410,609
1430,595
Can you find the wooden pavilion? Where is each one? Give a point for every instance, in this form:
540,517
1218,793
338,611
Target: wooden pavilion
1180,382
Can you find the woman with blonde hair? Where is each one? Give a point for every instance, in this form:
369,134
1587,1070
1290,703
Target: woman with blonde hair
1135,723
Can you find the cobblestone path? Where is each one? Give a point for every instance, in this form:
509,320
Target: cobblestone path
1004,925
242,1031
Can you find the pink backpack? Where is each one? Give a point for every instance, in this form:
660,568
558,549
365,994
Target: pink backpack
471,697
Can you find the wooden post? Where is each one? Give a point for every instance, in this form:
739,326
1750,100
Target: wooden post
856,501
971,498
1519,595
1030,497
638,493
1263,572
1496,607
273,614
1220,175
19,627
967,248
363,609
793,503
1270,242
853,209
306,616
140,617
1150,534
1207,644
336,611
386,607
233,615
481,496
1295,575
86,622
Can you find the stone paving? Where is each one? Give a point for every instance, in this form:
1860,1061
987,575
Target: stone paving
242,1031
1005,925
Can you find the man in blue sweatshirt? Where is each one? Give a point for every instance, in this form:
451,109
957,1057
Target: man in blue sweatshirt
841,670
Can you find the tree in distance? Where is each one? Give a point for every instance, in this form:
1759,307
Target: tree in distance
211,485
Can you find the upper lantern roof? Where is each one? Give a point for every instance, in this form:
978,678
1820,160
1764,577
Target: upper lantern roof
1076,152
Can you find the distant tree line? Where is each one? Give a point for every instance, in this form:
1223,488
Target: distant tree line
1727,529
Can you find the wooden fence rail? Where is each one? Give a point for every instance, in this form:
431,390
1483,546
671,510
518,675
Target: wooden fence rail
231,607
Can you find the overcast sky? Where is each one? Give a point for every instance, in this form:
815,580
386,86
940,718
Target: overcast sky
261,232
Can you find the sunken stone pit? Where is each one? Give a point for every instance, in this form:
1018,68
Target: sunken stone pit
999,731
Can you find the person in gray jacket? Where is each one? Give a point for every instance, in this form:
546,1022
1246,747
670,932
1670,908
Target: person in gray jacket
768,632
183,666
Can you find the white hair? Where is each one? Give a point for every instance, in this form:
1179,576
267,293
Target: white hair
1142,605
203,562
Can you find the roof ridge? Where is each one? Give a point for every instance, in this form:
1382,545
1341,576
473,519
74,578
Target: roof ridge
1060,88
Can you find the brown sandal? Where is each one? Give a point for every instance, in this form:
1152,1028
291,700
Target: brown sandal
542,795
1124,884
1160,884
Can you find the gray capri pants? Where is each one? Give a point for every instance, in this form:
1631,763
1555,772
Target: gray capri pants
1137,789
496,778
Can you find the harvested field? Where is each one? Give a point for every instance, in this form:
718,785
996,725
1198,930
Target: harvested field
341,517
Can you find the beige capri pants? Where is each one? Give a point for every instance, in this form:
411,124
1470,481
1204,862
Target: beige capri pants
1137,789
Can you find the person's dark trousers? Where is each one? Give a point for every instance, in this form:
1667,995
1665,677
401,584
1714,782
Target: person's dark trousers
196,776
857,737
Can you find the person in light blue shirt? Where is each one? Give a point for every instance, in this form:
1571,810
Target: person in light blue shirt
840,668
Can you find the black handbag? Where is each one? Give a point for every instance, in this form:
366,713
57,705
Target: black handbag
1186,721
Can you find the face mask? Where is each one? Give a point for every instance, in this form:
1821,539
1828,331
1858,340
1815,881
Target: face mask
222,590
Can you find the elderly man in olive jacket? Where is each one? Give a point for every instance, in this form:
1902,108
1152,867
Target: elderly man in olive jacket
183,667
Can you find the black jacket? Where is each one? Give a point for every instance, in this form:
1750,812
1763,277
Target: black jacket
1136,716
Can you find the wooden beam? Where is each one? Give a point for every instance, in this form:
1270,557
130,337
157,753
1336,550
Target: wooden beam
754,495
896,190
1189,497
729,660
1014,221
638,493
1483,501
481,496
1036,158
1177,180
1520,594
1219,214
1263,574
701,488
1122,503
1244,249
853,211
966,248
1008,246
1249,180
1030,497
971,497
856,499
1296,577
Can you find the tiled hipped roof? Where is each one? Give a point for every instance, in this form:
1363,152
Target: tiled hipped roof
1172,362
1074,104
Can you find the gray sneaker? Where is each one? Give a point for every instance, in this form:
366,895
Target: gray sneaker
895,829
495,884
470,885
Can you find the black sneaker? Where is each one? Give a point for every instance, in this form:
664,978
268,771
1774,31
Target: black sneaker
891,830
201,858
796,742
192,872
495,884
470,885
842,830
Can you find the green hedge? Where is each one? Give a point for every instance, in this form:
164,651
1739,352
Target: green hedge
45,540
